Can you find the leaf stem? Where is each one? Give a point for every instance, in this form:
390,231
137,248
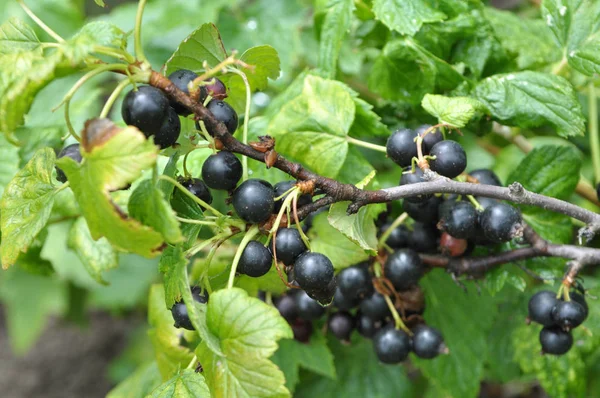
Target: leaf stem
386,234
198,222
137,33
365,144
246,118
594,133
397,320
238,254
191,195
475,203
113,97
40,23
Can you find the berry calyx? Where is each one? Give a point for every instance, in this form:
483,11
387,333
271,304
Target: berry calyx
375,307
256,260
500,222
428,343
540,307
224,113
253,201
415,176
555,341
401,147
222,171
313,271
459,219
568,314
72,151
341,325
198,188
391,345
355,281
288,245
403,268
450,159
430,139
287,307
308,308
284,186
147,108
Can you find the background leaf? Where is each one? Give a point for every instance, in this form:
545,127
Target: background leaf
405,16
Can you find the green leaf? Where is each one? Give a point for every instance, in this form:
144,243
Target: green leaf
16,36
453,111
100,3
366,121
406,16
26,205
467,342
9,161
35,138
103,34
172,264
113,157
248,330
97,256
270,282
554,227
314,356
312,127
203,44
147,204
576,28
531,99
496,279
139,384
185,207
187,384
335,26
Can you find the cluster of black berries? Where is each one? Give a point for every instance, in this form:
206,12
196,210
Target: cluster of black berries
559,317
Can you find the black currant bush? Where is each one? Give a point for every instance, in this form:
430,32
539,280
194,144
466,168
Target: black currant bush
337,212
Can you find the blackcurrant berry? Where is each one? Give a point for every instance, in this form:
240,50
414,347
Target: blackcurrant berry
355,281
375,307
216,90
428,343
555,341
391,345
430,139
425,212
288,245
223,112
401,147
169,131
147,108
366,326
302,330
598,190
313,271
424,238
324,296
72,151
181,79
253,201
486,176
343,302
540,307
287,307
486,202
308,308
451,246
256,260
450,159
198,188
404,268
341,325
399,236
459,219
222,170
568,314
415,176
580,298
284,186
180,313
500,222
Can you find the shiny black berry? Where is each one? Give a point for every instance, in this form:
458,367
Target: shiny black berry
404,268
222,170
486,176
287,307
223,112
555,341
425,212
500,222
367,326
341,325
147,109
427,342
253,201
424,238
343,302
450,159
375,307
313,271
308,308
430,139
72,151
399,236
181,79
288,245
256,260
355,281
540,307
324,296
284,186
391,345
198,188
568,314
169,131
580,298
415,176
401,147
180,313
459,219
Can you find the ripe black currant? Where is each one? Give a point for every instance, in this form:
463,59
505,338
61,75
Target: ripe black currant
256,260
450,159
343,302
324,296
568,314
459,219
399,236
500,222
147,108
198,188
486,202
288,245
313,271
415,176
540,307
403,268
72,151
401,147
580,298
425,212
287,307
430,139
375,307
223,112
424,238
427,342
355,281
341,325
391,345
555,341
366,326
308,308
302,330
180,313
169,131
222,170
284,186
486,176
181,79
253,201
